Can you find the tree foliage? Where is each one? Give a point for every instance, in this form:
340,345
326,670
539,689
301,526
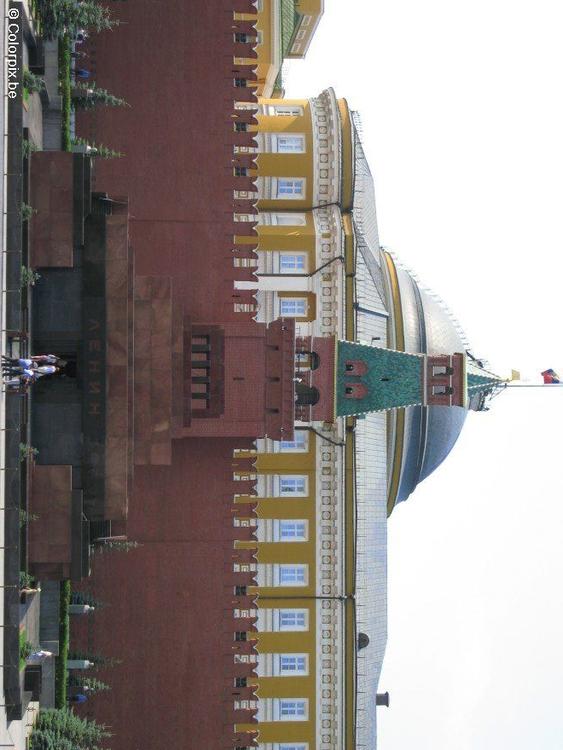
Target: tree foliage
60,17
88,95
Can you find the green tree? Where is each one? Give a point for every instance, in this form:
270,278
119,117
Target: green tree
91,683
62,724
60,17
107,544
46,740
88,95
99,661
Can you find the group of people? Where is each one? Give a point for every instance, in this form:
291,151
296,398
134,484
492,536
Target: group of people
20,372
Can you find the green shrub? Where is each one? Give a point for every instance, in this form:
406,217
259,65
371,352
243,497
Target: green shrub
65,90
26,648
32,82
28,147
26,517
26,579
64,637
29,277
26,450
27,211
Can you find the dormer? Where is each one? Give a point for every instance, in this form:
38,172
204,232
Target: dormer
445,380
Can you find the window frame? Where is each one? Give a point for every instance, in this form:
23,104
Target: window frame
284,568
281,627
282,709
282,662
290,188
285,110
286,525
298,219
298,302
299,264
298,138
294,446
284,480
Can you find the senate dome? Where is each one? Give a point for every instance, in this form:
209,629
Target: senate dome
421,437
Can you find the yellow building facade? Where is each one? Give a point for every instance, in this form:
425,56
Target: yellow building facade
285,29
306,528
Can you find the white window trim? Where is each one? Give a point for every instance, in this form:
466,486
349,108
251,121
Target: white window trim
278,708
284,110
278,524
278,568
277,485
278,662
298,219
289,196
303,441
276,138
280,628
296,254
298,301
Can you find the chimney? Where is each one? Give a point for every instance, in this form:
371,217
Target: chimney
382,699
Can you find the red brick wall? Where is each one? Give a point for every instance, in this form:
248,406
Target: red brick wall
169,603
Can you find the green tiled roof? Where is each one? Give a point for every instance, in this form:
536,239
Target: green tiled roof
393,379
481,382
289,19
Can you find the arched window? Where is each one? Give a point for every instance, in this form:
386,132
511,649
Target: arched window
356,367
306,395
355,390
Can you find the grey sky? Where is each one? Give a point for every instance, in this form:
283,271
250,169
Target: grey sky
463,122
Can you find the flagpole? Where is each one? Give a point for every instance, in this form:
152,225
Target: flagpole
534,385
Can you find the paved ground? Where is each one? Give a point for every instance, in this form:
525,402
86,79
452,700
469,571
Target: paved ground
4,736
14,735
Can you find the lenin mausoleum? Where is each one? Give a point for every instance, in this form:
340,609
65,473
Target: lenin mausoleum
258,383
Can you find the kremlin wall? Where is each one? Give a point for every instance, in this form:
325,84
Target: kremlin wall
280,382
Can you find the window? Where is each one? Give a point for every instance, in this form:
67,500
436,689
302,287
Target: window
442,390
240,682
292,746
291,485
288,143
292,531
292,575
291,262
240,590
293,307
292,188
299,443
287,665
285,110
241,127
240,635
442,370
291,620
240,172
288,220
240,83
241,38
291,709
